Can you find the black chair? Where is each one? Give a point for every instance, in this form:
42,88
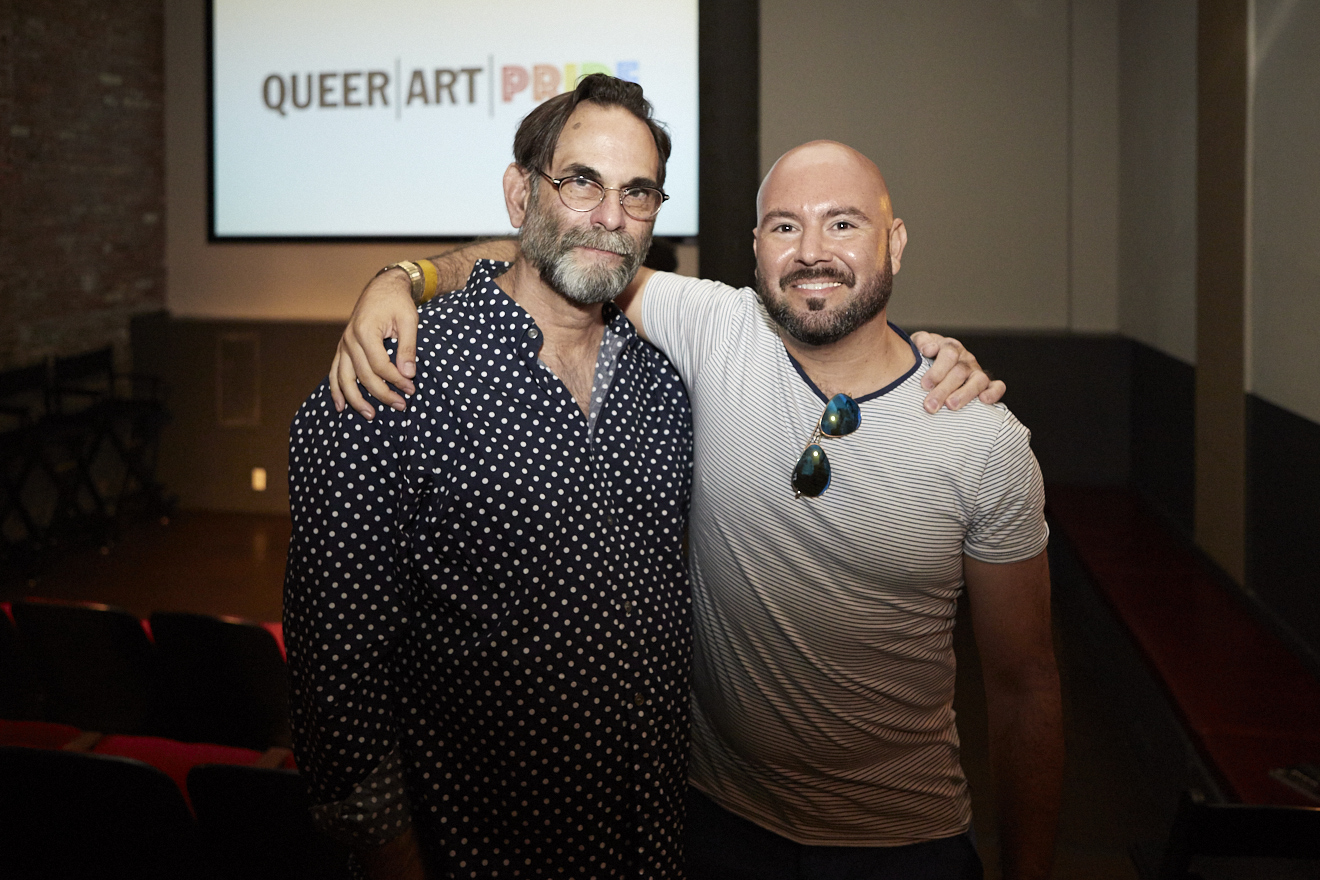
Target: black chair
95,664
71,814
1236,831
256,824
110,424
225,680
22,404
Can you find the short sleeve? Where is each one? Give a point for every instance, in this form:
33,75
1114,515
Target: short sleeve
1008,522
688,318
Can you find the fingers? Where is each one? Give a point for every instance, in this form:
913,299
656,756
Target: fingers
335,394
948,390
994,393
947,354
373,369
349,388
406,355
954,378
927,343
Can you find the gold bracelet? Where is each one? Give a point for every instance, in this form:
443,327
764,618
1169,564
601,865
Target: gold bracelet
430,280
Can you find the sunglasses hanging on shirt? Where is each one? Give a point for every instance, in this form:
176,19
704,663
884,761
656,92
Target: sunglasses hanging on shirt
811,477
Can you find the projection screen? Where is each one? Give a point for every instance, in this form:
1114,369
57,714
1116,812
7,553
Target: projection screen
347,120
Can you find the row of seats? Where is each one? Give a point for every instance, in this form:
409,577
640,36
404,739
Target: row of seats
78,445
153,748
181,676
66,813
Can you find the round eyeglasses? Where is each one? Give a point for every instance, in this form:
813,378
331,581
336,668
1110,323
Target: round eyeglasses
811,477
583,194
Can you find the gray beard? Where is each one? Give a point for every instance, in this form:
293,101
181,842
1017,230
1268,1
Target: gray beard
865,304
550,249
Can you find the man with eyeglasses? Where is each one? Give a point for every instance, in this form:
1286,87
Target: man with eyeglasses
486,601
826,572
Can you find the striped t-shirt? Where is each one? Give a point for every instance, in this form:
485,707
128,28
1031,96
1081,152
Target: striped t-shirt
824,667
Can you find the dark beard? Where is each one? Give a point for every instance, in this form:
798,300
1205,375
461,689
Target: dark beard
549,248
865,304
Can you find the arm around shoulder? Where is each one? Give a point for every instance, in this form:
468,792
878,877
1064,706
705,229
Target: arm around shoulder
387,309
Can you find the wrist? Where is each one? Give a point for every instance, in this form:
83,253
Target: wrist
422,280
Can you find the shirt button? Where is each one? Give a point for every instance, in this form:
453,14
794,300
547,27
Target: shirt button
533,333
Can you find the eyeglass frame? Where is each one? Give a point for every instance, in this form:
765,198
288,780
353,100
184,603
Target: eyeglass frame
558,183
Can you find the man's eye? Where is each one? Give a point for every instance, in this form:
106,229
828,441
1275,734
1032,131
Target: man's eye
579,184
842,224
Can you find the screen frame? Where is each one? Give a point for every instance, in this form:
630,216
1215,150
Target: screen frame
212,237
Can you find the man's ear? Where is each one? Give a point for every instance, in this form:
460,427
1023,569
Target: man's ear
897,241
517,193
756,239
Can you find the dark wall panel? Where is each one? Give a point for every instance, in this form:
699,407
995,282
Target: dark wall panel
1163,433
207,454
730,157
1072,392
1283,520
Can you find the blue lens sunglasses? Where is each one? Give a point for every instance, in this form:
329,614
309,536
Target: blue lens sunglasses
811,477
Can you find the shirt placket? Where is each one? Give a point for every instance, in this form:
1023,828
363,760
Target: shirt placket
640,700
636,704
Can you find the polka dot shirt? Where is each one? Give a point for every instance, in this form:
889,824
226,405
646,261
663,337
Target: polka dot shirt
487,601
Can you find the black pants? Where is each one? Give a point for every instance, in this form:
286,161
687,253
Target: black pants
722,846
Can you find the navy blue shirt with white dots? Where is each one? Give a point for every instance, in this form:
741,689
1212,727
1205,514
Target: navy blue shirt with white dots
487,601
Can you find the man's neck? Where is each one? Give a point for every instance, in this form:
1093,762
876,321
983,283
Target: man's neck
563,321
572,330
861,363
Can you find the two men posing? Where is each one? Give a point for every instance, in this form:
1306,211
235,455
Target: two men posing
487,596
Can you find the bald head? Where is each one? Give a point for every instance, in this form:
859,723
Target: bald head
822,171
827,244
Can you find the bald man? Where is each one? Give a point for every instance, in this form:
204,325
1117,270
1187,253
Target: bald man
836,519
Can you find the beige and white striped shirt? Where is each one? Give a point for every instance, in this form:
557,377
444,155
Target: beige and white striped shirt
824,676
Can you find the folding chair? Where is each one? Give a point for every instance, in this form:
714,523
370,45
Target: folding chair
118,418
1237,831
256,824
22,403
95,663
71,814
225,680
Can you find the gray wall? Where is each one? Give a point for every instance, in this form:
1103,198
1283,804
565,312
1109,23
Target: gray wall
1283,294
971,109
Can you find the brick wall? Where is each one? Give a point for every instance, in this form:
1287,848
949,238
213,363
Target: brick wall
82,159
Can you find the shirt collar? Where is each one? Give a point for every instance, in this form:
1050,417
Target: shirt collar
513,320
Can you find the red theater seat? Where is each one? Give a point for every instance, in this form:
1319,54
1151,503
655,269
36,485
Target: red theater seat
95,664
175,759
225,680
72,814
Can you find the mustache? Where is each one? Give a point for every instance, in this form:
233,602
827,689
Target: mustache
620,243
822,273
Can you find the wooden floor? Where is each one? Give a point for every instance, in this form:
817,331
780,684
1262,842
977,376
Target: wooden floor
1127,759
211,563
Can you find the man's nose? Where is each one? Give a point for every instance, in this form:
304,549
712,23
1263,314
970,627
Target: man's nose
812,247
609,214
